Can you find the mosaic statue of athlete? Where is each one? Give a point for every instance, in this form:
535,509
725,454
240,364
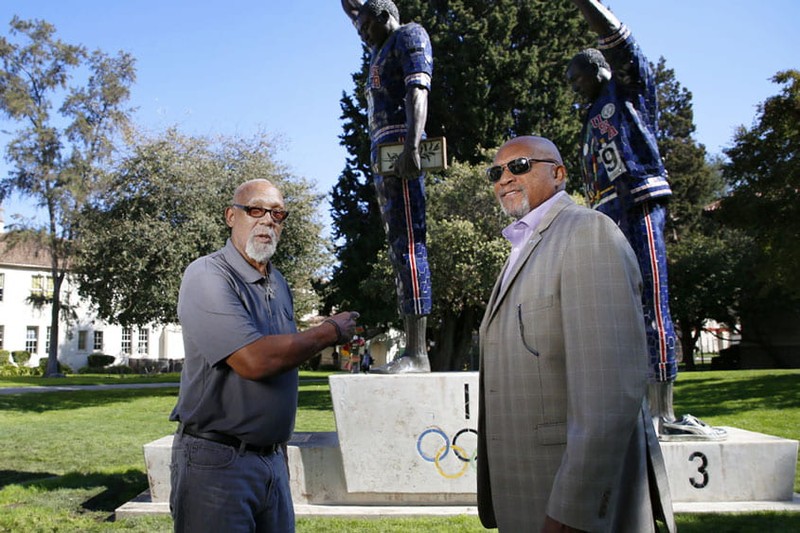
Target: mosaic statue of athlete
625,178
397,94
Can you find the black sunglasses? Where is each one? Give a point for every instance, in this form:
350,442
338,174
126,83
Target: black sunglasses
278,215
517,166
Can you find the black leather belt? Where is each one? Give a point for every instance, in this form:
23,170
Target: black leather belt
228,440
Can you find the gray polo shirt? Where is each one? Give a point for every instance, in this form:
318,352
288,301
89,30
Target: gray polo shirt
225,304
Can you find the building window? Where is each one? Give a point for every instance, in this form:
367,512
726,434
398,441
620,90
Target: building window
42,285
47,340
98,341
36,285
32,340
82,334
127,335
144,341
2,337
2,285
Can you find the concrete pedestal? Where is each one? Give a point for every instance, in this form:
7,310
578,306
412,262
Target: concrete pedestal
408,434
748,466
406,445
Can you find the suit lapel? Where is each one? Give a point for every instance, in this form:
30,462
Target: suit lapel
499,292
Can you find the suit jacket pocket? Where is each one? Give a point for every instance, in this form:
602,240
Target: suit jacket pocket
527,312
550,434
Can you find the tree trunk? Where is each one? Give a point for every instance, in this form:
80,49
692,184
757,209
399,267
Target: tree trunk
687,343
453,342
52,356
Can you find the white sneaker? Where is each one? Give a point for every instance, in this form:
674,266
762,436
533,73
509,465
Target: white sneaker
689,427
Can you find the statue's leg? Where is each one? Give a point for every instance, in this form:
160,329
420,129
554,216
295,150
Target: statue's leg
403,210
415,337
648,243
644,228
659,396
415,359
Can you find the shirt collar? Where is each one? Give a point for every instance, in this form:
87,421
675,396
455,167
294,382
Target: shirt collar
518,231
245,270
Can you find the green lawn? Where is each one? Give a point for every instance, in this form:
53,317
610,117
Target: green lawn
68,459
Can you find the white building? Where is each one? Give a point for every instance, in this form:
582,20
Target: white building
25,271
716,337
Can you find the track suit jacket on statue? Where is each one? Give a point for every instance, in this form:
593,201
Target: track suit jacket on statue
563,428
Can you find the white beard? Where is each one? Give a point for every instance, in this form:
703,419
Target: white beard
261,253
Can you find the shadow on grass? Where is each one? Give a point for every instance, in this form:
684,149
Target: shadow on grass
717,397
118,488
40,402
317,400
14,477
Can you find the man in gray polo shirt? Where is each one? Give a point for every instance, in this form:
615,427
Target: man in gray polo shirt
238,395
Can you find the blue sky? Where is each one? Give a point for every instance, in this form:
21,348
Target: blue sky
243,66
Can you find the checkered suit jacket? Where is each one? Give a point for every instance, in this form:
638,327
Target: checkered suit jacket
563,426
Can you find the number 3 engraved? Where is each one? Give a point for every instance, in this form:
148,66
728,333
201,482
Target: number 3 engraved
700,470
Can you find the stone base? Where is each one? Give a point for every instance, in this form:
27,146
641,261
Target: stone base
143,506
407,442
747,466
409,434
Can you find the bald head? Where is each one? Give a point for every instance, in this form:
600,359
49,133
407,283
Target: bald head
246,189
527,171
538,147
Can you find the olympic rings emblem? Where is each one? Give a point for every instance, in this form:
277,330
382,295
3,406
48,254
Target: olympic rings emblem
442,451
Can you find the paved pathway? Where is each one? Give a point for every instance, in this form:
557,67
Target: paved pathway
67,388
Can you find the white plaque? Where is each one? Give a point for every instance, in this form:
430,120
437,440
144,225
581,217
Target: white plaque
432,155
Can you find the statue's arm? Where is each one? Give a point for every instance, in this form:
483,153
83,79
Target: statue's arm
351,8
409,164
600,19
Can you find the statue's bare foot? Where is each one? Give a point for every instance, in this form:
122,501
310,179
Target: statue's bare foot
404,365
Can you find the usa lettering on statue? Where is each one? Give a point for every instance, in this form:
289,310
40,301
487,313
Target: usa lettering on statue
605,127
375,76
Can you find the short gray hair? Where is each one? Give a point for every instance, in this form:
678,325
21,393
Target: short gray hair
377,7
590,57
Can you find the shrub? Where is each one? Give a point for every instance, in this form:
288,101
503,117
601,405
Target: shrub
98,360
21,357
5,356
62,368
119,369
116,369
8,371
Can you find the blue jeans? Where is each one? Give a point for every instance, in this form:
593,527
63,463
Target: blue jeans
216,488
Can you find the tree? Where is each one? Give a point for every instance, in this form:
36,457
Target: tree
164,208
702,263
695,181
764,176
467,252
499,71
704,273
59,160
